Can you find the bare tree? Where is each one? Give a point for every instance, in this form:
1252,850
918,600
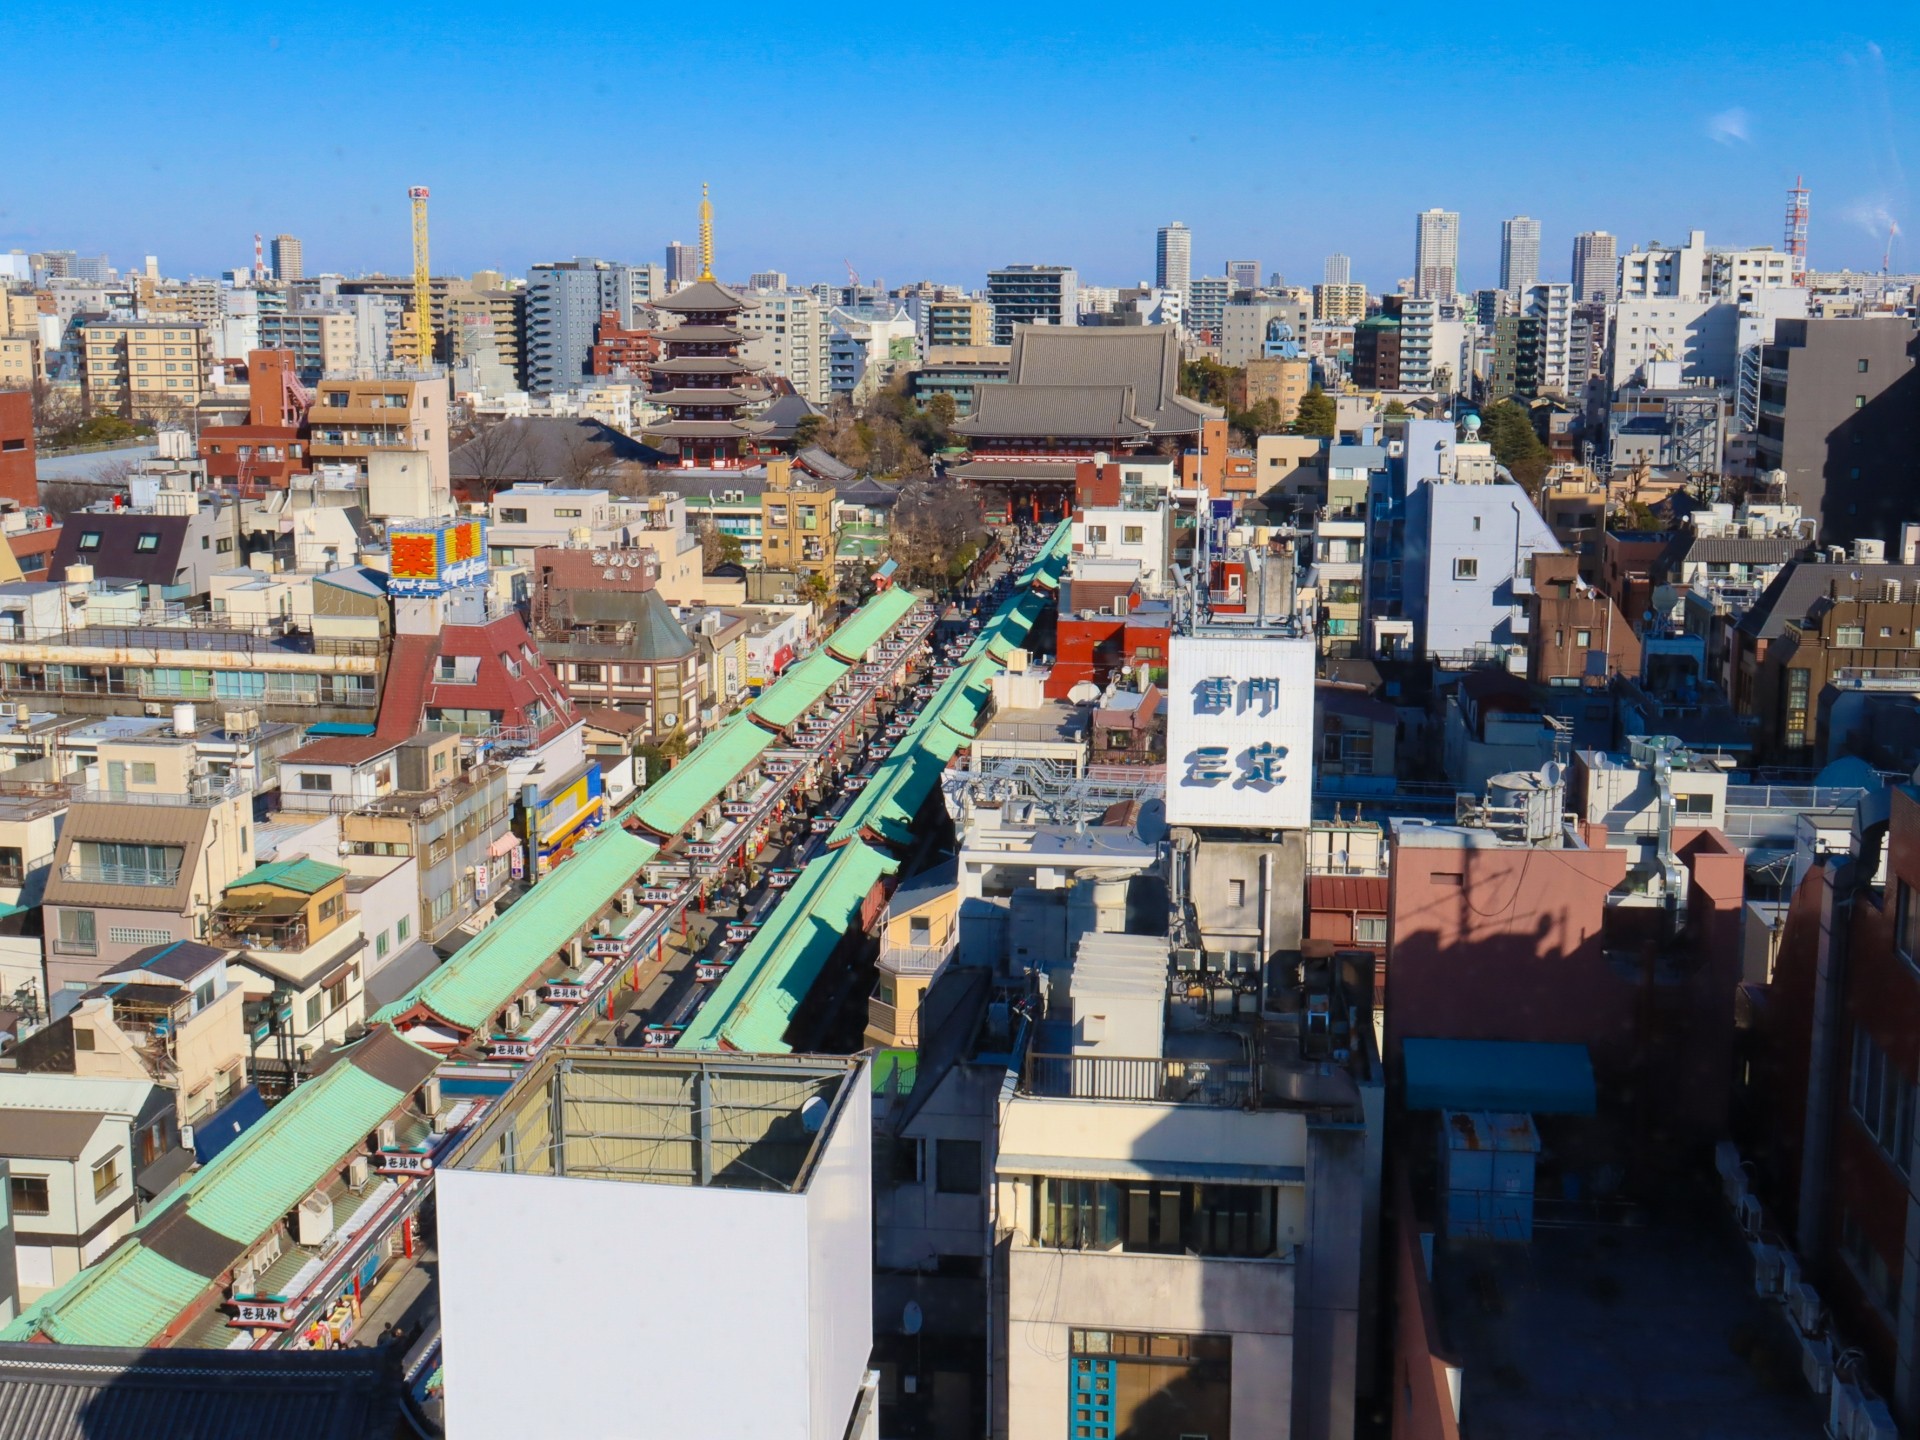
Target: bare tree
585,463
933,525
497,455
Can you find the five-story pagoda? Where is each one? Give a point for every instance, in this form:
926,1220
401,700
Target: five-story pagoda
702,380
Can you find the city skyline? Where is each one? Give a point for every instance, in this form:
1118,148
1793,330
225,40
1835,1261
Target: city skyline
510,188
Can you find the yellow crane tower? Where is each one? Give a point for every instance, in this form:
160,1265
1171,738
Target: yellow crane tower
422,280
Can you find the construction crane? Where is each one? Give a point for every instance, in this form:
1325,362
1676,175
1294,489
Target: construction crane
422,279
853,276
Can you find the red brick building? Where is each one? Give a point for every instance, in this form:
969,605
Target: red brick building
18,482
1835,1054
267,451
1570,621
623,352
1090,647
1489,940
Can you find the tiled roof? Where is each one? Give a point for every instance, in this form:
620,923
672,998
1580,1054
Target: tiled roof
309,877
90,1392
798,690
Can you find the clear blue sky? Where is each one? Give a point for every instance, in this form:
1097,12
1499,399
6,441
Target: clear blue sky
919,142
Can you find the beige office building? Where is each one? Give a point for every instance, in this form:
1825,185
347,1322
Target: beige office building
146,369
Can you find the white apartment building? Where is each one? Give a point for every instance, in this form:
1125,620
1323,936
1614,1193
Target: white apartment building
1243,326
790,334
1693,271
1701,335
1552,303
1184,1250
743,1176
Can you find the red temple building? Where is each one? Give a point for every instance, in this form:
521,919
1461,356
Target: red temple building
1072,394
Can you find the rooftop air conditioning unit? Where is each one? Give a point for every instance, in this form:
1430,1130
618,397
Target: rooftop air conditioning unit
1873,1421
387,1136
510,1018
624,902
156,710
1766,1269
357,1170
1750,1215
1803,1303
314,1220
1843,1403
243,1280
1816,1362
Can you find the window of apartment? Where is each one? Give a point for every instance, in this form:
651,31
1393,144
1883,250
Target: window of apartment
1859,402
1370,929
920,929
1696,802
1476,522
137,935
331,907
1582,638
126,862
1097,534
1799,686
1134,534
1882,1098
1155,1217
144,772
1906,932
1876,1277
402,928
76,934
313,1011
106,1175
1849,637
570,514
956,1167
1860,366
513,515
222,546
28,1194
148,542
89,540
381,944
1236,892
1466,568
309,780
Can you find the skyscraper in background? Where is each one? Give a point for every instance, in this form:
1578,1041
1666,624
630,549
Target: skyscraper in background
1173,258
1519,254
1339,270
683,265
1596,268
287,264
1243,275
1436,254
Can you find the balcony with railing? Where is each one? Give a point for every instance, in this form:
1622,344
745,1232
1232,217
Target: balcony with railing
201,790
251,930
1146,1078
910,959
155,877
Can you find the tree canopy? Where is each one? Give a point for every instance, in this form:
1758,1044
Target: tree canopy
1318,414
1509,430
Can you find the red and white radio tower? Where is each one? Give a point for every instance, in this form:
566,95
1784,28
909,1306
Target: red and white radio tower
1797,228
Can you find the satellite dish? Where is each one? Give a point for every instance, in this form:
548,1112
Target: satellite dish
813,1115
910,1318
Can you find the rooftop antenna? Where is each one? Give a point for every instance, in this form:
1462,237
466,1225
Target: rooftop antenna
706,234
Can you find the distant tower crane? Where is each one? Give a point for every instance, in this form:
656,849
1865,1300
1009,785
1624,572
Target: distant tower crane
1797,230
422,279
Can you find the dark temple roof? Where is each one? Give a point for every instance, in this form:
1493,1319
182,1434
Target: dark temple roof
85,1392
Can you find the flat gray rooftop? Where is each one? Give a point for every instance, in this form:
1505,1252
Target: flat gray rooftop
1619,1333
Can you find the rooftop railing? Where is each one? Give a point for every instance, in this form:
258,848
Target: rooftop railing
1147,1078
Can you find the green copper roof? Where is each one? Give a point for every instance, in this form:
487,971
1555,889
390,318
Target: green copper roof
870,622
488,971
126,1299
752,1007
309,877
799,690
669,805
135,1293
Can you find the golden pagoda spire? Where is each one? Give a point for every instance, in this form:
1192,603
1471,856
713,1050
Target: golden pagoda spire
706,234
